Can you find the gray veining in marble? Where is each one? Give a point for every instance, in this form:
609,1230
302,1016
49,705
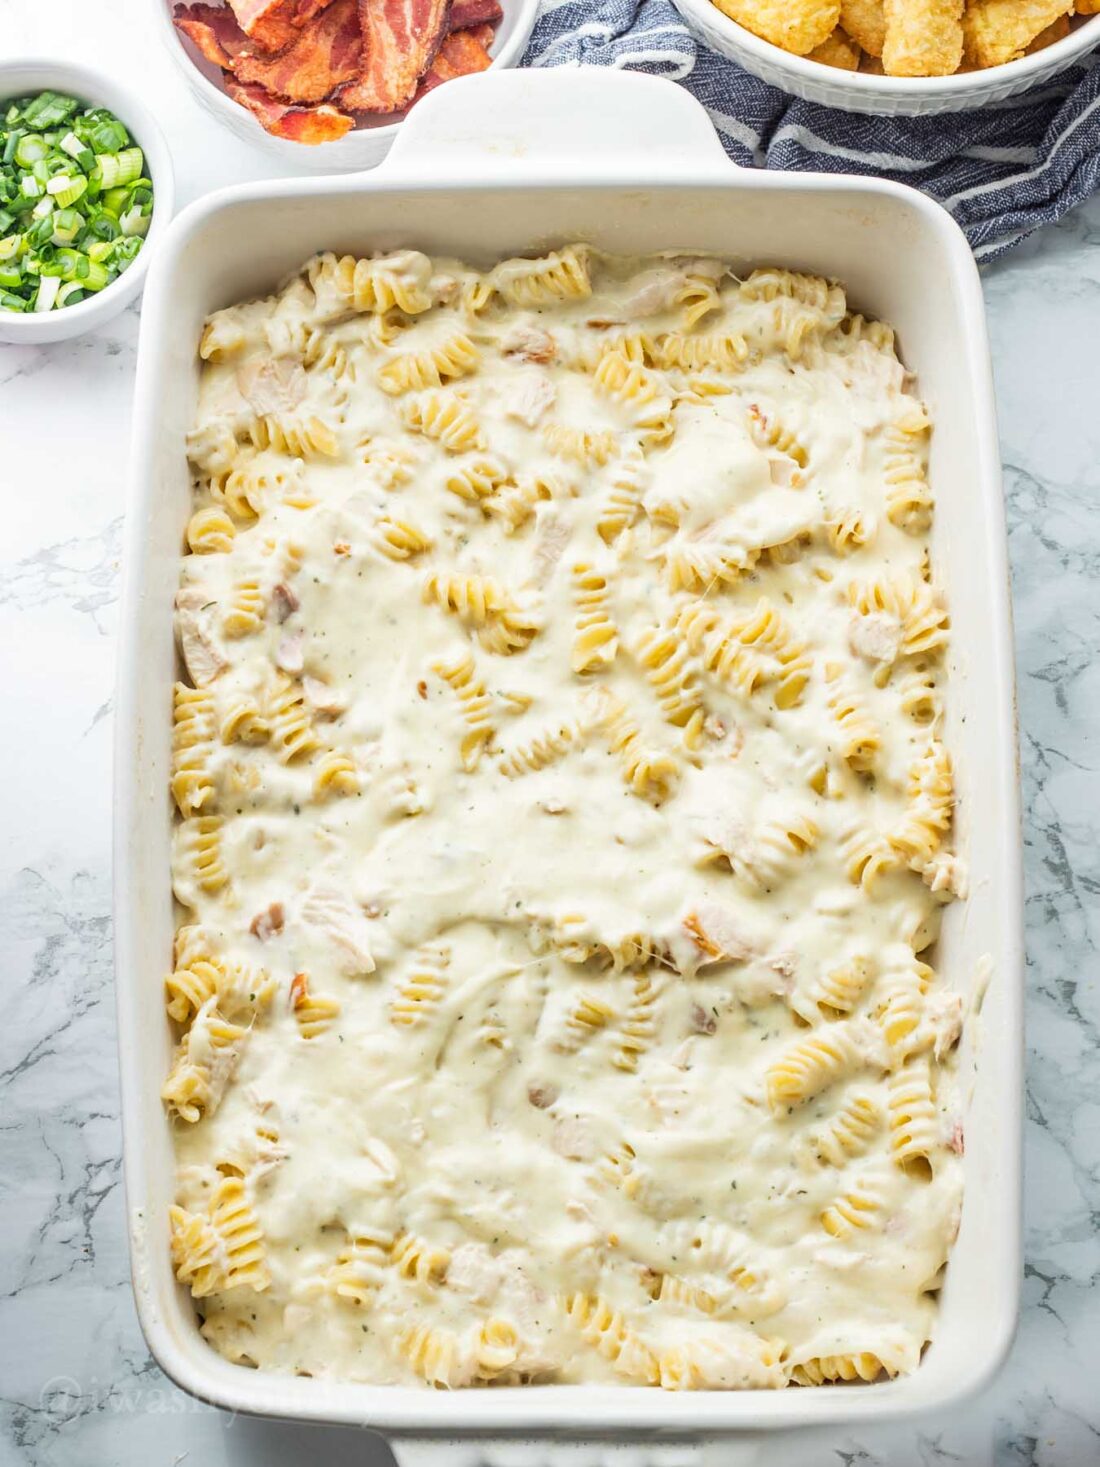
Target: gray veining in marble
77,1387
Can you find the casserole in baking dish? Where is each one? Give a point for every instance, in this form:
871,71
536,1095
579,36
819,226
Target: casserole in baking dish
901,260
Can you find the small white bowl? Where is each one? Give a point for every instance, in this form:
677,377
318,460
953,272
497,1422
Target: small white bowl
95,89
896,96
365,145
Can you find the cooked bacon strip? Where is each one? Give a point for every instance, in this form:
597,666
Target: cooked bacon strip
213,31
309,125
400,41
461,54
321,57
324,56
273,24
465,14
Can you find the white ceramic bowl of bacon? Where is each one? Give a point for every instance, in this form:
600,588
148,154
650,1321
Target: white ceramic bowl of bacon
325,84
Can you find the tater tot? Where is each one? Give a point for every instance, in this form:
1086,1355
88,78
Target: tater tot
795,25
923,37
871,65
839,50
1001,30
1087,7
1056,32
865,22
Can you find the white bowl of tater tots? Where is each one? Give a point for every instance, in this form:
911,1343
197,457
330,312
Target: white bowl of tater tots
898,56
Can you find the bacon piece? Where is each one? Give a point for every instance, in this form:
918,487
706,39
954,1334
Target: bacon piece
543,1093
286,603
465,14
703,1021
272,24
321,58
309,125
462,54
400,41
269,923
213,31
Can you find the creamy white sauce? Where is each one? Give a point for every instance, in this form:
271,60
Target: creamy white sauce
513,1138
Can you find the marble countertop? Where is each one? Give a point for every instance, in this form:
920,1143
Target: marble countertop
78,1386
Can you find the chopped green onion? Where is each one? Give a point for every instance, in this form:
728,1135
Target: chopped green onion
40,232
109,137
103,227
126,250
31,149
114,200
67,190
71,263
134,222
75,204
67,224
50,108
118,168
48,287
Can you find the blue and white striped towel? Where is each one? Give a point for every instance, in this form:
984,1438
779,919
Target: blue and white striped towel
1001,171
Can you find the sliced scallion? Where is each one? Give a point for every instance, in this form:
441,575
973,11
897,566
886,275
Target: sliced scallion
48,288
75,204
67,224
66,189
31,148
115,169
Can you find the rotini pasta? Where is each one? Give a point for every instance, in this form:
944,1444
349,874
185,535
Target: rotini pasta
595,638
422,989
401,280
474,703
445,418
415,371
398,539
561,276
501,624
223,1250
563,817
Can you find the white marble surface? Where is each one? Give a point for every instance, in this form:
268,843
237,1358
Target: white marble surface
77,1387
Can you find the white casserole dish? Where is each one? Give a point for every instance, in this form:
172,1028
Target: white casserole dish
364,146
892,96
491,166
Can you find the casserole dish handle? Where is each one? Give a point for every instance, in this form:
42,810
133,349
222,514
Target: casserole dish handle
590,119
424,1451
